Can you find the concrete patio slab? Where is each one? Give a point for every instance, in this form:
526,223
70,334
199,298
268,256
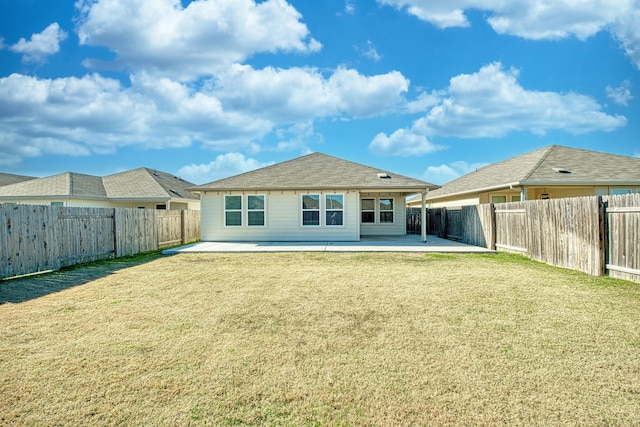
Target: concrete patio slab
409,243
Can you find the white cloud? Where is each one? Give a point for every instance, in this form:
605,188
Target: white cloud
96,114
490,104
223,166
620,95
350,7
422,102
445,173
41,44
538,19
301,94
403,143
192,41
371,52
626,29
232,112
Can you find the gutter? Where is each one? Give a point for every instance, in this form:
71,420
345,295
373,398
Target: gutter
477,190
523,184
416,189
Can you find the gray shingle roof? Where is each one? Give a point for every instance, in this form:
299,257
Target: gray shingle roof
66,184
316,171
8,178
139,183
541,167
146,183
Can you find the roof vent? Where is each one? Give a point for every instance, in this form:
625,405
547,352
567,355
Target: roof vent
561,170
384,175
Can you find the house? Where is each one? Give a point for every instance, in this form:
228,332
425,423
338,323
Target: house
8,179
310,198
138,188
548,173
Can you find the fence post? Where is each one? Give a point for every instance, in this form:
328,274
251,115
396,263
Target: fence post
603,238
492,227
183,227
115,234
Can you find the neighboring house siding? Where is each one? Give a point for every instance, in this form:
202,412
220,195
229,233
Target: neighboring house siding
66,202
452,202
560,192
283,219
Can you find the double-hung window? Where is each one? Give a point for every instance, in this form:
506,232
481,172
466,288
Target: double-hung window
368,211
233,211
311,210
386,211
334,209
255,210
498,199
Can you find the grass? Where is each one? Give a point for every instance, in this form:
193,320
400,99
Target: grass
320,339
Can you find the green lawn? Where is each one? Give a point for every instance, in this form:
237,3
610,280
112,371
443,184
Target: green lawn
319,339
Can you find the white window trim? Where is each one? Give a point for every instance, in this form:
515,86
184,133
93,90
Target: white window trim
393,210
264,211
375,213
303,210
333,210
225,210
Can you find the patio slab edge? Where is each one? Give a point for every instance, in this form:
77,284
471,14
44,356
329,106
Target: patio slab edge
433,244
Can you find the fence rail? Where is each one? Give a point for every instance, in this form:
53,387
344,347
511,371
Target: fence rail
42,238
598,235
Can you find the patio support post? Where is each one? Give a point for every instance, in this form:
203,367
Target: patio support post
423,216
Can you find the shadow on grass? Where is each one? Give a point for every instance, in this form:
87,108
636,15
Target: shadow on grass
27,288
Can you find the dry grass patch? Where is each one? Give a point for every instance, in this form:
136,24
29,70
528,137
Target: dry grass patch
321,339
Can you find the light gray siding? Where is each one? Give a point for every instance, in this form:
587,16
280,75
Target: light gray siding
283,219
399,225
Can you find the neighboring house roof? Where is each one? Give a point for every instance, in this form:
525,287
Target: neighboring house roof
551,165
136,184
146,183
8,178
66,184
316,171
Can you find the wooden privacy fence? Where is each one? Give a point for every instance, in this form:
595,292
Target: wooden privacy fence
598,235
41,238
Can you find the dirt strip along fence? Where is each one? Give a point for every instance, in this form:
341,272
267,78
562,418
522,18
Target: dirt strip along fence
598,235
42,238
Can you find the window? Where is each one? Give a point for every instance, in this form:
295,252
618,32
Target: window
161,207
386,211
334,208
59,204
368,211
517,198
255,211
615,191
498,199
233,211
311,209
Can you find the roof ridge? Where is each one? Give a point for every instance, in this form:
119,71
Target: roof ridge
548,150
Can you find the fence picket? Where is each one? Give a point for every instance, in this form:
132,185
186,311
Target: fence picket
597,234
42,238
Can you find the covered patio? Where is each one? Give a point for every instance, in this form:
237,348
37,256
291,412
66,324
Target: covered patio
407,243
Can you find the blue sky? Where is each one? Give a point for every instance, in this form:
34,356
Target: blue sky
207,89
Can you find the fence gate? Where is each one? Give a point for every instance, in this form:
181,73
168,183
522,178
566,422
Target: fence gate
414,220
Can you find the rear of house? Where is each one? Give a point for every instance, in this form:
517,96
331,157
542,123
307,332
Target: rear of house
311,198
